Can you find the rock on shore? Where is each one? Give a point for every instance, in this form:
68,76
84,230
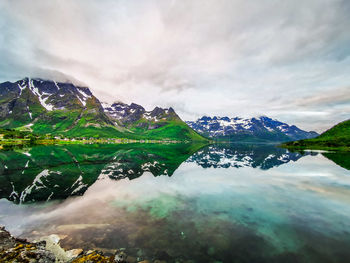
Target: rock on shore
46,251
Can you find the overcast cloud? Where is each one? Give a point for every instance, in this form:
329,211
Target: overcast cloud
285,59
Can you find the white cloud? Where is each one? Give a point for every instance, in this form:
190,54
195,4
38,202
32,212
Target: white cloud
217,57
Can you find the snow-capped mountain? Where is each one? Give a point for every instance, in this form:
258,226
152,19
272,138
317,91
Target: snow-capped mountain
261,128
134,112
48,103
136,116
50,107
50,94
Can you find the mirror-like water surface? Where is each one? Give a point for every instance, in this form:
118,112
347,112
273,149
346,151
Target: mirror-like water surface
219,203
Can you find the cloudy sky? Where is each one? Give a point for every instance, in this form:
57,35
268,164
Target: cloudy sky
285,59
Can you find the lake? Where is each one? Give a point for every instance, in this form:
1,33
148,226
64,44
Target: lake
182,202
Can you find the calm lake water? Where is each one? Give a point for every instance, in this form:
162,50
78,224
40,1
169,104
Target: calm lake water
218,203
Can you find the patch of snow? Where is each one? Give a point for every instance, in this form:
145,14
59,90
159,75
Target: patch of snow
21,88
105,105
36,92
86,96
30,114
283,128
82,101
57,85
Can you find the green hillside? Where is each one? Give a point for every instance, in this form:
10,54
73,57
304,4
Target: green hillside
336,138
47,107
168,129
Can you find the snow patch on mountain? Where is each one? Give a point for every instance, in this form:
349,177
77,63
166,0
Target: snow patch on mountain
133,112
40,96
259,126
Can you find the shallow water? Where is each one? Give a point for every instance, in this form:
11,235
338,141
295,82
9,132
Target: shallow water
227,203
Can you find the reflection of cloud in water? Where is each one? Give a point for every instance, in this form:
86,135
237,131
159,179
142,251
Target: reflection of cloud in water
205,214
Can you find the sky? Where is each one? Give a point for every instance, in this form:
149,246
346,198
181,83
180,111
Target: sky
288,60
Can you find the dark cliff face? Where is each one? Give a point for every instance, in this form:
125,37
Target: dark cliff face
49,94
49,107
26,99
262,128
46,106
135,115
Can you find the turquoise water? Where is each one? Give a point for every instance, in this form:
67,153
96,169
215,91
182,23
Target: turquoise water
221,203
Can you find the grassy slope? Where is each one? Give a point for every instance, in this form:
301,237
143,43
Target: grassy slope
88,122
336,138
174,129
65,123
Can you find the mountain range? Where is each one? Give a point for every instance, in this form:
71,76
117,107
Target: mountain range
66,109
254,129
49,107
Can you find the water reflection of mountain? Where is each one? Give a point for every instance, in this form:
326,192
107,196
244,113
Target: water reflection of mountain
244,155
55,172
43,173
340,158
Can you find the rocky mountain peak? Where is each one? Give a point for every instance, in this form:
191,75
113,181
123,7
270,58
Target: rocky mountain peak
263,127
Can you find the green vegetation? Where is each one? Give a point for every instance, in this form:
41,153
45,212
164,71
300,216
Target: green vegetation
168,129
77,123
337,138
69,115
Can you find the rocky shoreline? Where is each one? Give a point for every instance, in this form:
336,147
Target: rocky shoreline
48,250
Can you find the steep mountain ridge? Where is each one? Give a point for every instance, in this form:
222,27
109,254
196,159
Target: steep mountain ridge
47,106
126,114
50,107
244,129
147,123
